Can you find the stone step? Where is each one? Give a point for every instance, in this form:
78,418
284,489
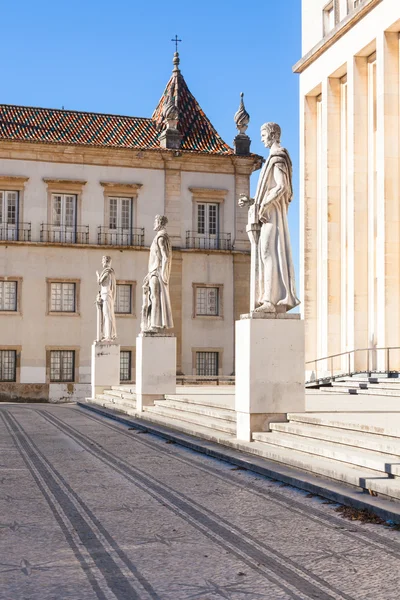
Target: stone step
224,401
361,385
200,409
387,424
130,389
356,439
319,465
117,400
384,463
196,419
126,408
119,394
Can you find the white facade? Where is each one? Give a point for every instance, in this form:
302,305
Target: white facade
49,180
350,212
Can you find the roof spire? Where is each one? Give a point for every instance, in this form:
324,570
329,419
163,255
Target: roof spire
176,61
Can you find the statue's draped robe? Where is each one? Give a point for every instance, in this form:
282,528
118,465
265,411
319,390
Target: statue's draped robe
108,294
279,288
152,317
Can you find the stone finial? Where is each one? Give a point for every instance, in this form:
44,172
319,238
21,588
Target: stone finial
170,137
242,119
176,61
170,112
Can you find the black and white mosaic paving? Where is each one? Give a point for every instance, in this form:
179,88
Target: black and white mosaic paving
92,510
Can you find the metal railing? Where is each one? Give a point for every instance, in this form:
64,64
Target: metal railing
220,241
133,236
15,233
376,360
64,235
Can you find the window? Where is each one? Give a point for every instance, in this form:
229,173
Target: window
8,295
329,17
120,213
62,365
123,303
207,219
62,297
8,215
125,365
63,211
8,365
207,363
207,301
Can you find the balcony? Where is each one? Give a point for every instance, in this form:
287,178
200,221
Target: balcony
64,235
118,236
15,233
220,241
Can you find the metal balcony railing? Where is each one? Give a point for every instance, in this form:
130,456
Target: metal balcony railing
133,236
15,233
64,235
221,241
360,360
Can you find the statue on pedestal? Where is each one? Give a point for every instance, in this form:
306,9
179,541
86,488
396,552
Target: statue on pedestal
156,309
105,301
272,272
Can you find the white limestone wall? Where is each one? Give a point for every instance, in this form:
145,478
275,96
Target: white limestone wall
376,32
210,333
150,199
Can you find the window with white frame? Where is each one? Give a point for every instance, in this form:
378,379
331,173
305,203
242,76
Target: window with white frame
63,210
120,213
8,215
123,302
207,301
8,295
207,363
125,359
62,296
8,365
207,219
62,365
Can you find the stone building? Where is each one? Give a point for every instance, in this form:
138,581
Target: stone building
350,208
75,186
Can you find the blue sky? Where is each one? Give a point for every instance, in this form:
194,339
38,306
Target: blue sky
116,57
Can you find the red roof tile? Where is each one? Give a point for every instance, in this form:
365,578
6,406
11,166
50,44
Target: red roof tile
27,124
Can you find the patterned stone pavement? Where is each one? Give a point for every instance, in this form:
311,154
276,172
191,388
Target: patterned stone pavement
92,510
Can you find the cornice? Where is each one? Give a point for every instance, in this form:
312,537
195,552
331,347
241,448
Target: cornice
208,192
333,36
113,187
12,182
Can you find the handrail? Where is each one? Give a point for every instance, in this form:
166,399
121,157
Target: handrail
330,374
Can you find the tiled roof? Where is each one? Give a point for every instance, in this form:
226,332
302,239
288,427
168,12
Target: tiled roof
27,124
197,132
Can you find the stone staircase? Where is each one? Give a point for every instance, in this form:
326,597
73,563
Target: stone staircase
195,414
364,385
360,449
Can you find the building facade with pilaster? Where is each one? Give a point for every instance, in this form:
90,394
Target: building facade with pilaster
350,206
75,186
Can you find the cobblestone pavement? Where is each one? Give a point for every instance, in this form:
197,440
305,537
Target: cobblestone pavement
92,510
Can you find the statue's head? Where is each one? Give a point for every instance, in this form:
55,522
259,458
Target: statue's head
270,133
160,221
106,261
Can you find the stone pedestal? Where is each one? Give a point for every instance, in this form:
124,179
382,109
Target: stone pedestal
105,366
269,370
155,367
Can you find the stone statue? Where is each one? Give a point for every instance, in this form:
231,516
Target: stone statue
272,272
105,301
156,309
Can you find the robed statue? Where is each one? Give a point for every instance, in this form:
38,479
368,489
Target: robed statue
107,330
272,272
156,309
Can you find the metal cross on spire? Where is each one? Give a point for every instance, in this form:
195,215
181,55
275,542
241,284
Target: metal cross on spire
176,40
